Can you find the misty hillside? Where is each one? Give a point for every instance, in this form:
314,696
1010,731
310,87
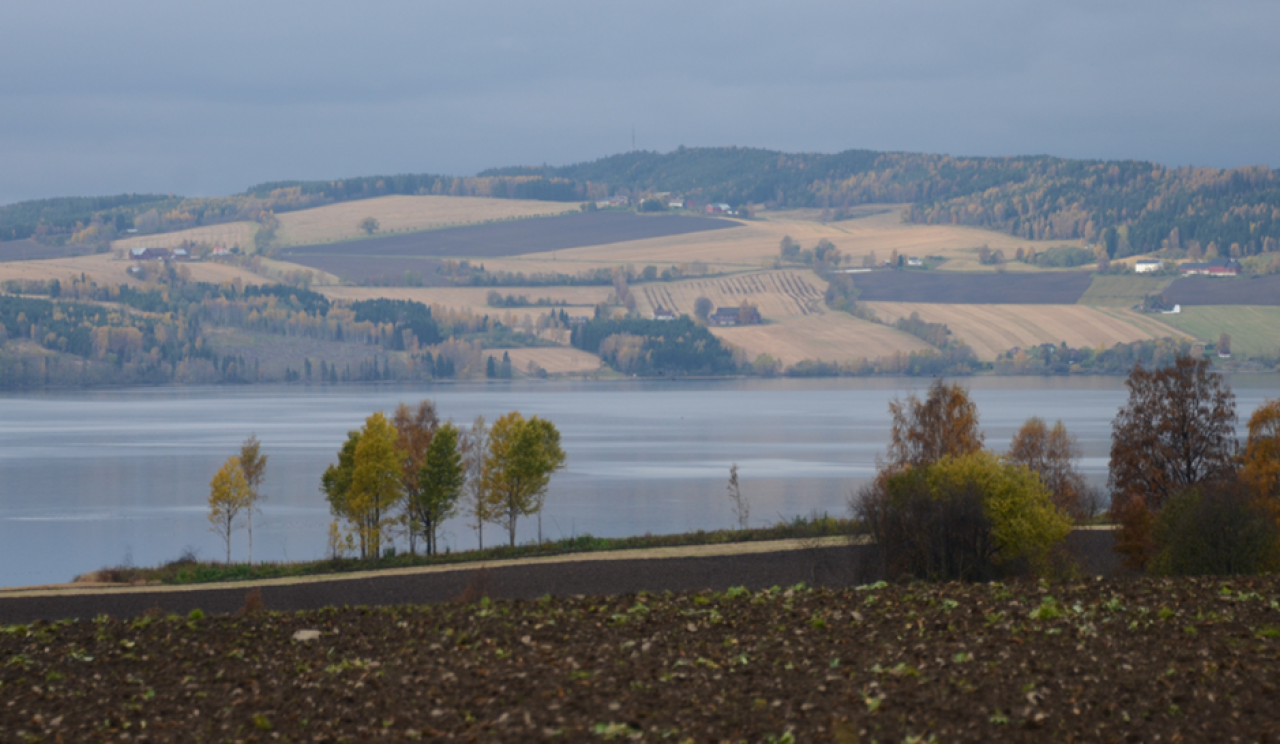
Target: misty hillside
1130,206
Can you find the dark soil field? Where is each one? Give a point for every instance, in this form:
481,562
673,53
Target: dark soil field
30,250
420,253
518,237
1048,288
1097,660
1207,290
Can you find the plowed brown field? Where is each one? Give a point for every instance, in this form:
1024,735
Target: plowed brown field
990,330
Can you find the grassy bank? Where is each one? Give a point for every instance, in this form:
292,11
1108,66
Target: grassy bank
188,570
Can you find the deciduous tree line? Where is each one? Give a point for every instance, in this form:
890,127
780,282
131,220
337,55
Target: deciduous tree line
408,474
1187,496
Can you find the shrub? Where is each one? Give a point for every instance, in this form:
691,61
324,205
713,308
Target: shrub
1215,529
969,518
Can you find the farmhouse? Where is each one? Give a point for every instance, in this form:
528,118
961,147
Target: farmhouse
724,316
914,261
1147,266
150,254
718,209
1216,267
661,313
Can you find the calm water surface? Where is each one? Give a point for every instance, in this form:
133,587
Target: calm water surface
89,479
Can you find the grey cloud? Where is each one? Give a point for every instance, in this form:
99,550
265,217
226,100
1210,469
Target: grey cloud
159,96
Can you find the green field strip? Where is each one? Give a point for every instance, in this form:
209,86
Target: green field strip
1254,329
1122,291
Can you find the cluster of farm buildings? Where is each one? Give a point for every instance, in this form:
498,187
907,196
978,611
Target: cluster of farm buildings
1215,267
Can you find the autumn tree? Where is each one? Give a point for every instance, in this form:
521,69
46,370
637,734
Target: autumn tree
364,486
370,225
254,466
415,428
1053,454
523,454
967,517
440,483
229,496
336,485
1176,430
1261,465
923,432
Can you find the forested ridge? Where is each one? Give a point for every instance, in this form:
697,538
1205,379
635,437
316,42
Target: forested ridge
1129,206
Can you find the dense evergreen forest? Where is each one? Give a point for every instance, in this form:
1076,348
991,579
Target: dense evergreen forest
1128,206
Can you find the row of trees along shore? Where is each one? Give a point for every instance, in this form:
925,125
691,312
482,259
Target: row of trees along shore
405,476
1187,496
410,473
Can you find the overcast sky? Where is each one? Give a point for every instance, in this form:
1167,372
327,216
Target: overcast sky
205,99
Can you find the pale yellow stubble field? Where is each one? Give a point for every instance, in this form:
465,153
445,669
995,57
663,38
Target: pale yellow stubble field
229,235
991,330
830,337
555,360
107,270
341,221
404,213
581,300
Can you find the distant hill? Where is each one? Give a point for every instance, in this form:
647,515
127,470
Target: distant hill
1129,206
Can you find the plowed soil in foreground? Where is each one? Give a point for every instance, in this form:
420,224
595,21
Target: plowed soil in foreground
1098,660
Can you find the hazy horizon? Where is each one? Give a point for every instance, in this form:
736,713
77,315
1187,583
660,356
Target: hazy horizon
149,97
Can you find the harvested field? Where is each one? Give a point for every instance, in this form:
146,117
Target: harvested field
1208,290
360,268
555,360
580,300
1122,291
1113,660
991,330
757,242
228,234
1255,330
30,250
396,214
105,269
778,294
829,337
1043,288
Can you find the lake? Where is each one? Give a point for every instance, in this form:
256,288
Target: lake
98,478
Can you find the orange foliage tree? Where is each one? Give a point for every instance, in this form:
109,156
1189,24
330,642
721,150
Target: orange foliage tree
944,423
1053,454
